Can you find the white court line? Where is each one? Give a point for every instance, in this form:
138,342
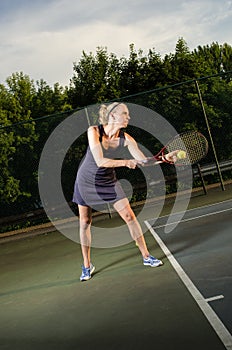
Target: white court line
195,217
206,206
212,317
217,297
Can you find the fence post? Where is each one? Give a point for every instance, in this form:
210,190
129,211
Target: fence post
210,136
201,177
87,115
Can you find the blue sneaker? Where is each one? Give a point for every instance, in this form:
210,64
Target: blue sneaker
87,272
151,261
92,268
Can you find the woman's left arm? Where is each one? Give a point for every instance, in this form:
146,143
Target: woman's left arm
133,148
138,154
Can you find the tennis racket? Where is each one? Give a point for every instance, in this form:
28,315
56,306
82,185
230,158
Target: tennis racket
192,146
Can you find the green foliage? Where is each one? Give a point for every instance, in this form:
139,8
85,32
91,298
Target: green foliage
29,111
16,143
9,189
20,138
96,78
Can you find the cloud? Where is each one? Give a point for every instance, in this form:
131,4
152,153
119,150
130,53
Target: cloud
44,38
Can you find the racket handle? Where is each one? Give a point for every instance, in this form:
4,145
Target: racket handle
151,161
164,159
161,158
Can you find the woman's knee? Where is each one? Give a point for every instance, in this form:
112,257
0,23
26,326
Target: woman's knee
85,222
129,216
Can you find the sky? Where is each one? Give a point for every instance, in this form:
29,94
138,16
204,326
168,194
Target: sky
44,38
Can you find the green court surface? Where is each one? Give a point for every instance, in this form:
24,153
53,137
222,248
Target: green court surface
125,305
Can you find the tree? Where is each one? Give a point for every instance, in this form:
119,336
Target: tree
182,65
22,136
96,78
9,186
18,140
30,111
47,100
217,58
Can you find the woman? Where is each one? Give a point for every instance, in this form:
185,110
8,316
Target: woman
96,181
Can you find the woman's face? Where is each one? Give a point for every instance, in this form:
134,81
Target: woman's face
121,115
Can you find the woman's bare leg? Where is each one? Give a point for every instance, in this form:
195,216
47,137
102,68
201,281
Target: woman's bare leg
85,216
124,209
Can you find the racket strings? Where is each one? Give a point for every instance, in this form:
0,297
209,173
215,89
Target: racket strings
195,145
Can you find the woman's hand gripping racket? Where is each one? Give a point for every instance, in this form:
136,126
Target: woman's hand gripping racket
186,148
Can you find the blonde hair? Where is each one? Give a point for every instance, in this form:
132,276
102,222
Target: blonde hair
105,111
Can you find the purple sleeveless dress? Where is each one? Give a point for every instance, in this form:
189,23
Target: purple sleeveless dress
95,186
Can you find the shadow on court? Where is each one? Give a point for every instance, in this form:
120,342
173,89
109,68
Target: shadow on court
125,304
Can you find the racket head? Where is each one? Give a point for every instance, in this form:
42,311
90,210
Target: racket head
193,143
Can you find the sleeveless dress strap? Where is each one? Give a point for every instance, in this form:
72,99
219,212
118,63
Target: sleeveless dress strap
121,138
101,132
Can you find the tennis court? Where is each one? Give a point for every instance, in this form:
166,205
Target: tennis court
185,304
